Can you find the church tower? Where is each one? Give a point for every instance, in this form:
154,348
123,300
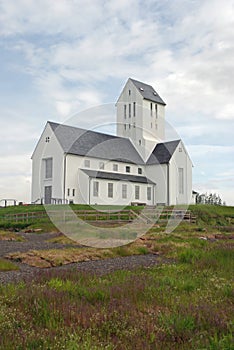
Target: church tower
141,116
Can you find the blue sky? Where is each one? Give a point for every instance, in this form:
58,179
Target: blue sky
61,57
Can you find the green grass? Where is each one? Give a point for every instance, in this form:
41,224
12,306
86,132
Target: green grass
6,265
207,215
184,304
213,214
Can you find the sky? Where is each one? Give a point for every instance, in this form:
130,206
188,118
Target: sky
61,57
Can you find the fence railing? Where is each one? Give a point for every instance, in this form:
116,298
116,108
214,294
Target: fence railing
105,216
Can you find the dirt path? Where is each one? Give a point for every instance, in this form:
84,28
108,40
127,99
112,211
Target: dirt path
39,241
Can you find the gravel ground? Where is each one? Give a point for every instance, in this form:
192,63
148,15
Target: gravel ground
38,241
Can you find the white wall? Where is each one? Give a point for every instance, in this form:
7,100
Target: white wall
78,180
149,128
51,149
180,159
158,174
117,193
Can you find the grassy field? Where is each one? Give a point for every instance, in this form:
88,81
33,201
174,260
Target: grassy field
187,303
206,215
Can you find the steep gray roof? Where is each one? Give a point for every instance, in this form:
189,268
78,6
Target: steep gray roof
148,92
117,176
163,152
94,144
98,145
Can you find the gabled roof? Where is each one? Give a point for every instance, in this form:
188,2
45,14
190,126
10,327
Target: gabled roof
147,91
117,176
163,152
95,144
98,145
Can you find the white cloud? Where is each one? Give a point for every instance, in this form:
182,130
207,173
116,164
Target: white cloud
79,52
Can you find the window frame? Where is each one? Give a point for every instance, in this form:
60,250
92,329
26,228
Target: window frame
128,169
110,189
124,191
137,192
95,188
139,171
115,167
48,169
181,180
149,193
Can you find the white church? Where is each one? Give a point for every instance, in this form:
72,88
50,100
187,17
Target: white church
73,165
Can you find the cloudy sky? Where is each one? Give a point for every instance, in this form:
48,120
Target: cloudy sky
60,57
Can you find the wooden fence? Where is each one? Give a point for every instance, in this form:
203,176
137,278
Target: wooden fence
105,216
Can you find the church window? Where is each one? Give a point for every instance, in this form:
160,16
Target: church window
48,168
134,109
115,167
156,111
137,192
124,191
110,190
95,188
181,180
149,193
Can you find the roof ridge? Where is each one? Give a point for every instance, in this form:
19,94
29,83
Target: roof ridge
87,130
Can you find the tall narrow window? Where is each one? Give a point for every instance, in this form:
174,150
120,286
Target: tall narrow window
68,192
95,188
181,180
125,111
139,170
134,109
129,92
129,110
115,167
149,193
137,192
73,192
151,109
125,127
156,111
110,190
48,168
124,191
